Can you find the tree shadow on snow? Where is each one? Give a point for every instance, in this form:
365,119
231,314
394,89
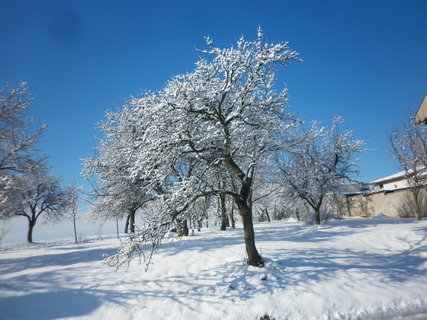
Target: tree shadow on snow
236,281
39,285
301,233
294,233
48,305
228,238
53,259
285,268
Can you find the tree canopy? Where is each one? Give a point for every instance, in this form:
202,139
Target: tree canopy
225,118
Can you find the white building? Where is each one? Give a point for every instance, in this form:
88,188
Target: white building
392,182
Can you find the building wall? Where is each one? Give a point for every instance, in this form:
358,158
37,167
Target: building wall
398,203
421,115
399,184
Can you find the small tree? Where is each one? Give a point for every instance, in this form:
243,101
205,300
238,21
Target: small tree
73,192
116,194
409,147
37,193
16,142
319,165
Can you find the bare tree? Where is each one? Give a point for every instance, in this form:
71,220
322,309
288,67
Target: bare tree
409,147
116,193
319,165
17,153
73,193
16,140
37,193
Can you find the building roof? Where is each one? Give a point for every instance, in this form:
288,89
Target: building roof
399,176
393,177
421,115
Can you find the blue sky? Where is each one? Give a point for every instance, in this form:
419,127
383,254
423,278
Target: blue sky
363,60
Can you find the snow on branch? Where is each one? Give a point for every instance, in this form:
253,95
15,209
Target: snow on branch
211,125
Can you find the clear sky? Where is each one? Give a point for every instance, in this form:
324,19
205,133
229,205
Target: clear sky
364,60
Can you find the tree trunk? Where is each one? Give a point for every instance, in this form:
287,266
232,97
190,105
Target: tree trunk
233,222
182,228
415,193
317,209
31,225
317,215
127,224
185,227
244,203
223,212
132,221
267,214
75,229
254,258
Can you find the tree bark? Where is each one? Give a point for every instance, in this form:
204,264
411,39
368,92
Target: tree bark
185,227
31,225
415,193
132,221
268,215
75,229
244,203
233,222
317,215
254,258
223,212
182,228
317,209
127,224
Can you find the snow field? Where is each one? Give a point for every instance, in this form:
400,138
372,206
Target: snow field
348,269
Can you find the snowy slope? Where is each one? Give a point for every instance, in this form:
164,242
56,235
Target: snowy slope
348,269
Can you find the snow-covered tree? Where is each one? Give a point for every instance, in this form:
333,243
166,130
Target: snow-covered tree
17,154
267,199
116,193
224,118
39,193
16,140
409,147
320,164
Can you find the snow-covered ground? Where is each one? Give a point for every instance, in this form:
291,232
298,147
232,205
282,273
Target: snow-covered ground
348,269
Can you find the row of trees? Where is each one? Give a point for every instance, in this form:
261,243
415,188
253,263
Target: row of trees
221,131
218,137
27,188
